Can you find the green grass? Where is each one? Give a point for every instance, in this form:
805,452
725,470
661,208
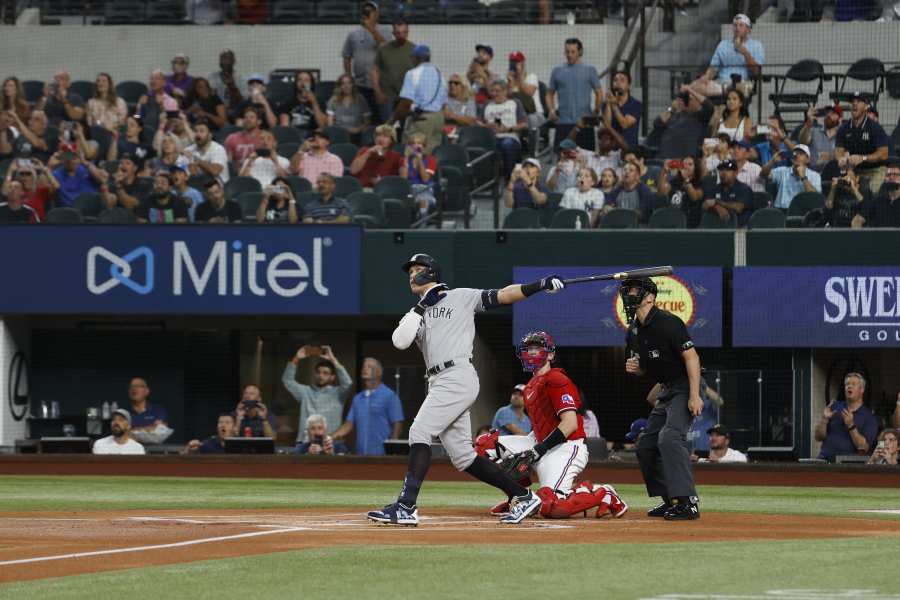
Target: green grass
615,571
32,493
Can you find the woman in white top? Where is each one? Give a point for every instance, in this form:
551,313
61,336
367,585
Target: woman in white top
732,118
106,109
586,196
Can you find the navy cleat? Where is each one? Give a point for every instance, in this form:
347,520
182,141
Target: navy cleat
521,507
395,514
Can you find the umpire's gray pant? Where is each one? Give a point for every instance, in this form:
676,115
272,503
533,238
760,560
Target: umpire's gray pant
662,449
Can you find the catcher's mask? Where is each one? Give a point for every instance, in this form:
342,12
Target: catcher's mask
532,361
631,302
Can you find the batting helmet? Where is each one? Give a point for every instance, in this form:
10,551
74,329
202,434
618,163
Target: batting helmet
533,362
630,302
432,272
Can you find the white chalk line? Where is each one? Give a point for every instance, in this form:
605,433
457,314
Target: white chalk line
222,538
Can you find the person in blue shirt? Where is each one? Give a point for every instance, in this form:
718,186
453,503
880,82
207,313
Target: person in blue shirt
794,179
225,427
777,144
75,174
622,109
848,426
422,99
569,94
375,412
145,417
511,419
739,57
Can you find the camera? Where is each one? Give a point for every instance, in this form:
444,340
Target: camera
263,152
735,79
684,97
172,114
618,92
498,122
320,440
676,164
591,121
512,65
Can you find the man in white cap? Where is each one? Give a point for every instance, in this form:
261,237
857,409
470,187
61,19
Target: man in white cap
120,441
511,419
794,179
739,56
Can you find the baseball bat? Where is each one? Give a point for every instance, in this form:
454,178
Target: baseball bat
633,274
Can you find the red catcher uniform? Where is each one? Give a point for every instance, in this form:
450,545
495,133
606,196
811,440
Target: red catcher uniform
546,397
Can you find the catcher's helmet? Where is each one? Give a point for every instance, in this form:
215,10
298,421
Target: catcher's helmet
432,272
630,302
541,339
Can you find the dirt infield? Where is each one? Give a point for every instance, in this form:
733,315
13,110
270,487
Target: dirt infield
40,545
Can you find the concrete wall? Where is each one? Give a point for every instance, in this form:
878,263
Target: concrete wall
131,52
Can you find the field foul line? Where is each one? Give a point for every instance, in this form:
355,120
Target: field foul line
319,523
223,538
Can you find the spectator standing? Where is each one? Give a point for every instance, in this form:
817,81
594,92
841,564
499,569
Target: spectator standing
326,394
303,111
847,426
479,73
622,109
265,164
144,415
278,204
126,189
225,428
120,441
14,99
203,104
525,189
845,202
359,52
719,447
680,183
728,195
14,210
217,209
460,109
794,179
376,412
162,206
748,172
522,85
422,99
38,183
241,144
821,139
347,108
735,61
379,160
318,441
885,452
680,129
35,139
313,158
586,196
511,419
633,194
76,175
569,93
392,60
59,103
153,105
731,118
185,194
206,156
226,83
866,143
419,169
506,118
256,98
328,208
179,83
609,153
564,174
106,109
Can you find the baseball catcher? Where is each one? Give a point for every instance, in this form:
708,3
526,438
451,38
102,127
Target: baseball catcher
551,399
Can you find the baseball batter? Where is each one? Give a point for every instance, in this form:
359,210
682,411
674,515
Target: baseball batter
442,324
551,400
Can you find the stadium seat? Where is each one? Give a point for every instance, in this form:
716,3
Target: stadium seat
668,217
104,139
338,135
222,134
249,202
806,72
131,91
344,186
33,90
279,93
287,134
465,11
199,182
116,216
453,195
507,12
292,12
165,12
324,90
85,89
338,11
762,200
238,185
304,198
423,11
522,218
347,152
367,221
451,154
571,218
394,186
64,214
288,149
89,205
767,218
298,185
712,220
867,70
397,214
801,204
124,12
619,218
549,208
367,203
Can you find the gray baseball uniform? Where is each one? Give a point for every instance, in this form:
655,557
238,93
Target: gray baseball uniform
445,333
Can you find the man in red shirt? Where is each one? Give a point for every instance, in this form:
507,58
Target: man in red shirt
380,160
242,144
551,401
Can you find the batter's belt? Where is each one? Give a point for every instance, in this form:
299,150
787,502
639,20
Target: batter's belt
434,370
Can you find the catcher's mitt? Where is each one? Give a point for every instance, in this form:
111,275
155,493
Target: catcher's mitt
518,465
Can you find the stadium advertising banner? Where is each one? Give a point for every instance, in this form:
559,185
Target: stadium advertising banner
591,314
817,307
160,269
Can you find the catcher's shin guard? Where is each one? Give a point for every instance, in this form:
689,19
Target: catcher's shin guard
584,497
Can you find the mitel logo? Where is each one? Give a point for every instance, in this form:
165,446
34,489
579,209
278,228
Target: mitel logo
224,270
868,303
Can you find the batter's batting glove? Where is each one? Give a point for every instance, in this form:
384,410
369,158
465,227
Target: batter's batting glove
551,283
432,297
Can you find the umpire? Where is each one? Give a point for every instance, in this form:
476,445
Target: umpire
422,100
659,346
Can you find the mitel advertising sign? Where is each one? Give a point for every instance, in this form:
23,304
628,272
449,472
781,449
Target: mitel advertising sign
160,269
591,314
817,306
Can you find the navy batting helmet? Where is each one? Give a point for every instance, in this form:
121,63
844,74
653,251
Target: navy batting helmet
432,272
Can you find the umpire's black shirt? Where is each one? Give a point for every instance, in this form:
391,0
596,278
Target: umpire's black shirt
660,341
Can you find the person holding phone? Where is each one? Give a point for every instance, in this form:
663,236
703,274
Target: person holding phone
318,442
506,118
794,179
278,204
524,85
621,109
303,111
679,182
313,158
525,189
821,139
256,98
325,394
265,164
777,146
886,450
